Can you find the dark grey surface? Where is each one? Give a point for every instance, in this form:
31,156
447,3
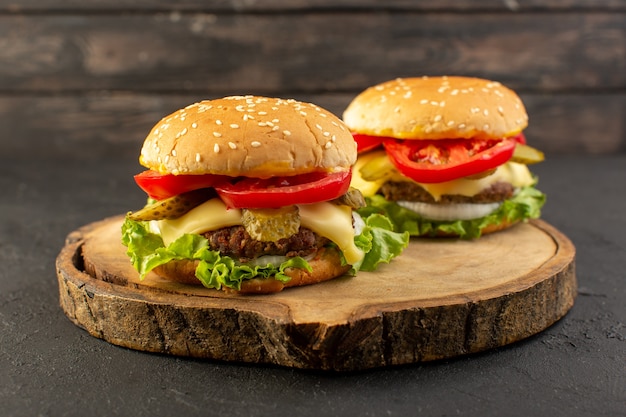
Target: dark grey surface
49,367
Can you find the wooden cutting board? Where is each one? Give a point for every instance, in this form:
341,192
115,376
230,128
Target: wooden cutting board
439,299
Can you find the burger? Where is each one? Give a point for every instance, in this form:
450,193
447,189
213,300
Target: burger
252,194
444,156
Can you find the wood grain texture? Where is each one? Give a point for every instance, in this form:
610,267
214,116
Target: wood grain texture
305,5
440,299
269,53
88,79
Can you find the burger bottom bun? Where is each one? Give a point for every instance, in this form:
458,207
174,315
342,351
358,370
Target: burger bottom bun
325,265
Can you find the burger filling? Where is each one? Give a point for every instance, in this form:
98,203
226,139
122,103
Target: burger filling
462,206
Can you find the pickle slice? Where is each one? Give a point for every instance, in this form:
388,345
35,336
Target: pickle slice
525,154
271,225
352,198
377,168
173,207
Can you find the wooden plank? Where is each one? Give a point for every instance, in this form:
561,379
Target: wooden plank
433,302
115,125
267,53
25,6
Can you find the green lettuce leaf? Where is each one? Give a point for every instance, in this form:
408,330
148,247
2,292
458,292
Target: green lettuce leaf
379,242
526,204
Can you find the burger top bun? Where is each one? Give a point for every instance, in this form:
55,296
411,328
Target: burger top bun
437,108
249,136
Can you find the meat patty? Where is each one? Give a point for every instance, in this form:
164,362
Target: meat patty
236,242
409,191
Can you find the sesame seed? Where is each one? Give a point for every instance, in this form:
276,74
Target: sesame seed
451,123
216,148
423,101
475,110
232,145
408,94
461,126
275,128
396,109
262,124
184,131
217,134
218,122
303,113
198,157
500,110
262,113
486,112
486,126
434,103
234,125
437,118
286,133
167,158
454,92
333,138
194,125
173,152
255,144
326,134
328,145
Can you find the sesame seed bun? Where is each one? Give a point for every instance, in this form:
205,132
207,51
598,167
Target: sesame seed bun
249,136
437,108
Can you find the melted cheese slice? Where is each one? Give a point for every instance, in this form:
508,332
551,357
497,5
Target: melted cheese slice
514,173
326,219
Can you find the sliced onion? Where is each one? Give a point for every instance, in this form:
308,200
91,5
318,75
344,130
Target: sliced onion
446,212
357,223
267,259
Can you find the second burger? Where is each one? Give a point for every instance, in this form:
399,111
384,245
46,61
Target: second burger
444,156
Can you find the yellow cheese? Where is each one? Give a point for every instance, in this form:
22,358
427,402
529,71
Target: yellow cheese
335,223
516,174
211,215
326,219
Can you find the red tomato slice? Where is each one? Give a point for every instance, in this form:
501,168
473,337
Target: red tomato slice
520,138
284,191
366,143
431,161
160,186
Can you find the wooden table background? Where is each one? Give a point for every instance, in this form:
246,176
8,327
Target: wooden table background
87,79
